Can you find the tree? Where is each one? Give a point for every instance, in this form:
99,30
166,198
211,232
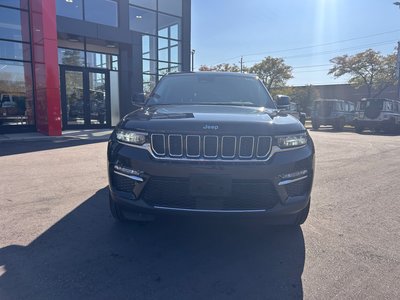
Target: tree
273,72
305,96
222,68
369,68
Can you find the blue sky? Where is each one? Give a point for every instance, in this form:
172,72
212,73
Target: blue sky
224,30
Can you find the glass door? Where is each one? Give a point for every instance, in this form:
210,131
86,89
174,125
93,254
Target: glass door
85,96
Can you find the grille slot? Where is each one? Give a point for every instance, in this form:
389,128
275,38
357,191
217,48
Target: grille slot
246,146
193,145
175,193
298,188
158,144
210,147
210,144
122,183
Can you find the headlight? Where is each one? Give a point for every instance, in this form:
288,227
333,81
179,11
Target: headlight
132,137
291,141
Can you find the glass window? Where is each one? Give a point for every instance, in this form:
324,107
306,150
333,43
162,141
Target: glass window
16,101
163,54
102,60
114,62
173,7
163,68
174,54
152,4
149,47
169,26
162,43
102,12
142,20
70,9
149,82
15,50
16,3
98,60
149,66
71,57
174,68
10,24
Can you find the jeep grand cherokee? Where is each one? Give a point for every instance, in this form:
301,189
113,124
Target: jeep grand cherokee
210,143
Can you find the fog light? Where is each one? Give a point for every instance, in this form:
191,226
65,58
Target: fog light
129,173
293,177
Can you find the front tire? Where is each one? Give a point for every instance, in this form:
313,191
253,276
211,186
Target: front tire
339,124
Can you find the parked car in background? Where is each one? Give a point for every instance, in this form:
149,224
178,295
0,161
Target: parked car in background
377,114
334,112
285,104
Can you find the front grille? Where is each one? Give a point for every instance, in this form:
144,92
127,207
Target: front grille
122,183
175,193
210,147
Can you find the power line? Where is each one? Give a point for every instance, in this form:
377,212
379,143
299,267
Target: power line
333,51
312,46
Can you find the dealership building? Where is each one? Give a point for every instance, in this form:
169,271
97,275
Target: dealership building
76,64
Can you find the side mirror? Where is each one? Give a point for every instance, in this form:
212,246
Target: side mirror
138,99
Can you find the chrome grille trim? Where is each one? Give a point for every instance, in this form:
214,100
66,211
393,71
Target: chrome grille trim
258,145
152,148
204,146
210,147
169,145
193,136
222,146
240,146
147,147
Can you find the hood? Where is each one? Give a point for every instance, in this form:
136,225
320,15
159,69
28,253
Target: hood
211,119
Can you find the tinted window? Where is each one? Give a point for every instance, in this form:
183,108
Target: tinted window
71,9
173,7
15,3
16,100
10,24
152,4
102,12
375,104
142,20
211,89
169,27
14,50
71,57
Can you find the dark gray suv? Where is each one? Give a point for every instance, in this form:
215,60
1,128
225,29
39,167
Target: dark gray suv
210,143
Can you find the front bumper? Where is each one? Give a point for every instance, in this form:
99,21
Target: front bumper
159,187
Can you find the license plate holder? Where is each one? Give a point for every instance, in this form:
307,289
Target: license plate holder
210,185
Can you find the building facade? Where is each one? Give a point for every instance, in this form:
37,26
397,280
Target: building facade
69,64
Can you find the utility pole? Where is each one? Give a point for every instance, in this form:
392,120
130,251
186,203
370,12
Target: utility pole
241,64
193,52
398,70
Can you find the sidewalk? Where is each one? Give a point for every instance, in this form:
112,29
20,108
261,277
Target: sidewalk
88,134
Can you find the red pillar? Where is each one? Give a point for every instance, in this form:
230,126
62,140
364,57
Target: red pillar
45,66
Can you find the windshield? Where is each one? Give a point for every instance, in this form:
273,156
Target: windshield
211,89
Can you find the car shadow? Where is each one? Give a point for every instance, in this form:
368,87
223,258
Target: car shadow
20,147
88,255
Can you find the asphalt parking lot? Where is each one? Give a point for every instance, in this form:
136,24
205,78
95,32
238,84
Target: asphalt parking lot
59,241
